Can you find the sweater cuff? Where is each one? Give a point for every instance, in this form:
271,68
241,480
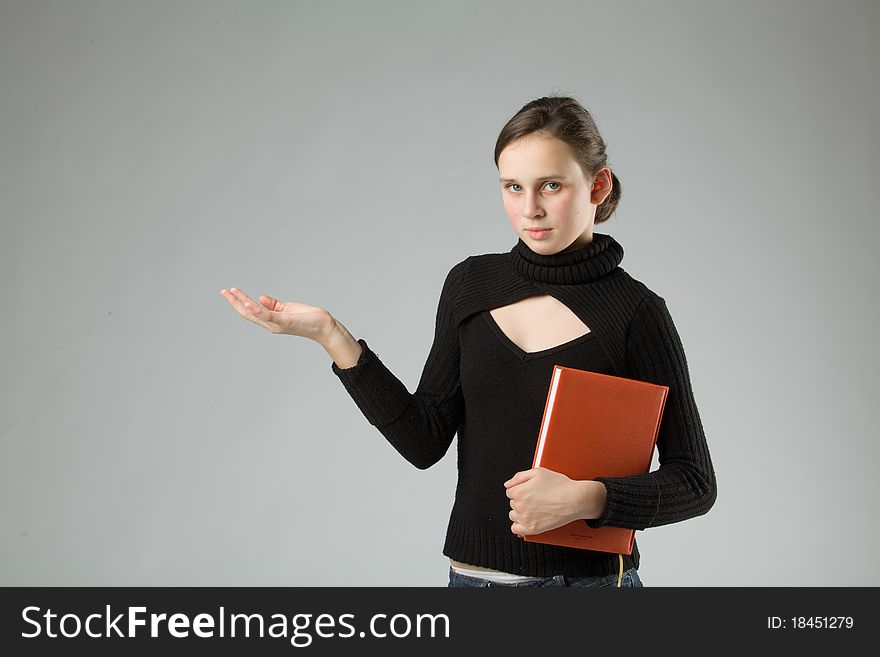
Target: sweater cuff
378,393
631,502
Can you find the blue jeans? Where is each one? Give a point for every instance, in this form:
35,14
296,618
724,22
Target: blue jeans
630,578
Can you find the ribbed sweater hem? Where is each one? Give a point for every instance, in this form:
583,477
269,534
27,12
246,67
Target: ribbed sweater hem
507,552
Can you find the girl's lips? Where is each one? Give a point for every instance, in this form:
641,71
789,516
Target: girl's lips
538,234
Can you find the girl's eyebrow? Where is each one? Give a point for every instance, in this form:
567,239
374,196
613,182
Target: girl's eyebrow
552,176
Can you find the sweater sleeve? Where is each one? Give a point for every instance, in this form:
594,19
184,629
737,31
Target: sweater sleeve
421,425
683,486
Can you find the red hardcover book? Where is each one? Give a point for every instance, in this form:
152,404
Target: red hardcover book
597,425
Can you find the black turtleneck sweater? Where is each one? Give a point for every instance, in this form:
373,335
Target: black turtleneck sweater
479,384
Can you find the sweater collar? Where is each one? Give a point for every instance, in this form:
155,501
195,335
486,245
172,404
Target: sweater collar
585,264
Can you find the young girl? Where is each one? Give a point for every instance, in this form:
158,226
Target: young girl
559,296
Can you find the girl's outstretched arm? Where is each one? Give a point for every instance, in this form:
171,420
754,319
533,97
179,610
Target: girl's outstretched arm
342,346
420,425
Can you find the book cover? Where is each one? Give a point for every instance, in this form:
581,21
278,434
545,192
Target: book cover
597,425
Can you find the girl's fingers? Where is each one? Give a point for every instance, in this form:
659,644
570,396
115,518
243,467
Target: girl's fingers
243,300
241,296
238,302
248,308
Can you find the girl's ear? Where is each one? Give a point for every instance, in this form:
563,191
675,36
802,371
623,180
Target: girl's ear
601,185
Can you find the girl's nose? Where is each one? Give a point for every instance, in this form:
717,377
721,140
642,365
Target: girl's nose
530,206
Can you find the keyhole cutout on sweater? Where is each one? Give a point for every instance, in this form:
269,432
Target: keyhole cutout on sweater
538,323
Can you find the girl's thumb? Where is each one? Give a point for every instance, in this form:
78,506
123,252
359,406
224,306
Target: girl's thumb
268,301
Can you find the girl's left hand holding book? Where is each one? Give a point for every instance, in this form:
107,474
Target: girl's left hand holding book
542,499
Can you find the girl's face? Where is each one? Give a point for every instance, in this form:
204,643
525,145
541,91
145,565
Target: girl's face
543,187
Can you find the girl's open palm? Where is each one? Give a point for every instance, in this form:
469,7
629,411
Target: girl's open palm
288,317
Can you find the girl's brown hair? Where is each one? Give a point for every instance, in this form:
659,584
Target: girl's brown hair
567,120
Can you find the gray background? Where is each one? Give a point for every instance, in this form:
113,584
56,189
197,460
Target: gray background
340,154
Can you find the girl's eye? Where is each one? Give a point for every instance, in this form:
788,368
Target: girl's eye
511,185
